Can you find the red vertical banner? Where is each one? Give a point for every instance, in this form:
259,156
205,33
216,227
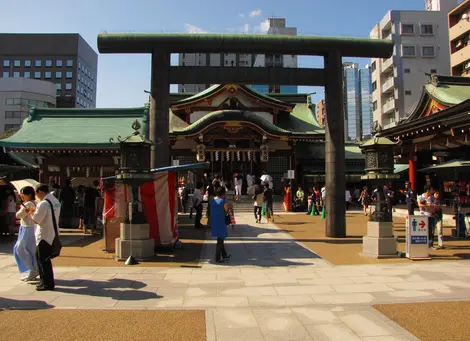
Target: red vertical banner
412,171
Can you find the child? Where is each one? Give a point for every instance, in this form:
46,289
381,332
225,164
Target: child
219,210
258,198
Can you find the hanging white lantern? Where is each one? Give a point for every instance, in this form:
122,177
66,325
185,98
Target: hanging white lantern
216,156
264,153
101,171
88,172
238,156
68,172
227,156
248,154
201,153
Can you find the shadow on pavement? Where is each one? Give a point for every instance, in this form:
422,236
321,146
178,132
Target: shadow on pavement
8,304
115,288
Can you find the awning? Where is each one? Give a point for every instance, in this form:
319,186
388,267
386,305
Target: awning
400,168
454,164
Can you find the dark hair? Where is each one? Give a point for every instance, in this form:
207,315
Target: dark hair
96,183
427,188
68,182
42,188
216,183
220,191
199,185
28,190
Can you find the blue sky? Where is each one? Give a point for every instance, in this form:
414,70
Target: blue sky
122,79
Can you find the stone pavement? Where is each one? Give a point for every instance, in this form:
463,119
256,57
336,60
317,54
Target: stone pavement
272,289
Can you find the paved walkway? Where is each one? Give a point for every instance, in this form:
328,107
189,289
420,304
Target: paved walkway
272,289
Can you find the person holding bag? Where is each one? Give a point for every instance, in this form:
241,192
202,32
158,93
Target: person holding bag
46,215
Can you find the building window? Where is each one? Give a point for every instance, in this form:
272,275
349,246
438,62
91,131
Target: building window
27,63
69,63
58,86
407,29
408,92
427,29
37,74
48,63
374,86
407,70
428,51
373,66
374,105
59,63
58,74
17,63
79,77
47,75
27,74
434,71
38,63
5,74
68,74
78,100
68,86
409,51
6,63
16,74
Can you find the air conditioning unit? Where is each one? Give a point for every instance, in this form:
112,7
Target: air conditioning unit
459,43
466,66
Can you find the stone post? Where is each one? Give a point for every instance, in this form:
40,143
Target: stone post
334,147
159,110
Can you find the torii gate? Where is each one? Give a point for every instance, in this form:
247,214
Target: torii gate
161,46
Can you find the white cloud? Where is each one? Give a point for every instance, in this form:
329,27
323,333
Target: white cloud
246,28
193,29
254,13
264,26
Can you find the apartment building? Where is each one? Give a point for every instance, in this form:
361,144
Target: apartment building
276,26
459,38
321,112
66,60
421,48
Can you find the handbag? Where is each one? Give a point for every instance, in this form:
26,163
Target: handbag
56,246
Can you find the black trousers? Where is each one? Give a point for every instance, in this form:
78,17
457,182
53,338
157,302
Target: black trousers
220,249
347,205
43,252
197,221
257,212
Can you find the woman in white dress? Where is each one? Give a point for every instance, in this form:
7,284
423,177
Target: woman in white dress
25,248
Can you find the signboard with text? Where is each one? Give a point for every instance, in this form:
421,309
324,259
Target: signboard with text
417,232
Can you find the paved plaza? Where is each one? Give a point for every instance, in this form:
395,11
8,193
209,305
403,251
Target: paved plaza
273,288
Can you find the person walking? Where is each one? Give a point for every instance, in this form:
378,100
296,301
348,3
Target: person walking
268,202
348,199
258,204
11,212
45,215
438,220
238,181
427,208
364,199
67,199
197,204
90,208
219,211
25,248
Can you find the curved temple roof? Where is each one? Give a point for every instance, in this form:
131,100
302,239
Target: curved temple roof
243,43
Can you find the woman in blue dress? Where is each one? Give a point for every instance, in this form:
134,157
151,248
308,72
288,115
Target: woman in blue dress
25,248
219,209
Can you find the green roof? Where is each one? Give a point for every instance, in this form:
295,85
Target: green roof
231,115
302,120
76,128
448,94
218,87
378,141
399,168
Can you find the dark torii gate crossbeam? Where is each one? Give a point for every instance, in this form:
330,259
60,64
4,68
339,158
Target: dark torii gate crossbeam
161,46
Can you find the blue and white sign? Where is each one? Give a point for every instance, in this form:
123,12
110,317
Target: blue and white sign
417,227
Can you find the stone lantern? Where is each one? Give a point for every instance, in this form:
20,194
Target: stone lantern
379,241
134,238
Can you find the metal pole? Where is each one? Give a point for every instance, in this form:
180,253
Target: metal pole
334,147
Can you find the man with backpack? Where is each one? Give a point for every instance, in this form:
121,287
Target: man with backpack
46,215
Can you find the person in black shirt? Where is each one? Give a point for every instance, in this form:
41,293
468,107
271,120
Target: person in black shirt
90,207
410,196
67,199
268,202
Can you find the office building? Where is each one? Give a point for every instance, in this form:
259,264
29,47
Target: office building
66,60
357,102
276,26
459,36
321,112
18,95
421,48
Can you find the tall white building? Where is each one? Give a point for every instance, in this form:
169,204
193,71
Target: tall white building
276,26
18,95
421,48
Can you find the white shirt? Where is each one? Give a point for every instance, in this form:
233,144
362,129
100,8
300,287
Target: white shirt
238,182
348,195
323,192
249,180
26,220
43,218
11,203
